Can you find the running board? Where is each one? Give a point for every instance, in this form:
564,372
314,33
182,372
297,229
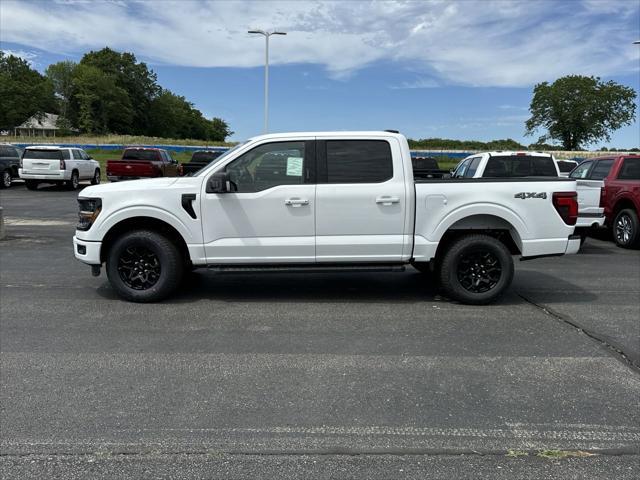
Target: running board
307,268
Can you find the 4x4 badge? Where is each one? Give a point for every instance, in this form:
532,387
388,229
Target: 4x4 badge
524,195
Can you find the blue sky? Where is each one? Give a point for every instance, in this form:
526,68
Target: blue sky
460,69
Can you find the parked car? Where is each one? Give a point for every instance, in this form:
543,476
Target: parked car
199,159
59,165
142,162
322,201
9,163
620,198
427,167
566,166
507,165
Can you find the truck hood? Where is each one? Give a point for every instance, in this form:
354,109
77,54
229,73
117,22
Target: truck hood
128,186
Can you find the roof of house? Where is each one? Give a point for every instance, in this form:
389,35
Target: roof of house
46,121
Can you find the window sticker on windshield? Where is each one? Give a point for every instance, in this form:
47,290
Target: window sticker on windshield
294,166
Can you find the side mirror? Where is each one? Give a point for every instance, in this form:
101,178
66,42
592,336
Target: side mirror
219,182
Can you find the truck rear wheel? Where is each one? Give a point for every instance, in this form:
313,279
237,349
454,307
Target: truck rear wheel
476,269
626,229
144,266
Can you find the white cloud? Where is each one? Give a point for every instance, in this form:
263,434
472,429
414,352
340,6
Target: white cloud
488,43
25,55
419,83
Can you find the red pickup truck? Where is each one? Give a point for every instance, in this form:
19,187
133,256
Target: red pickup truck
620,198
142,162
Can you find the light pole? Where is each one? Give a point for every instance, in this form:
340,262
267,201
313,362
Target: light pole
266,34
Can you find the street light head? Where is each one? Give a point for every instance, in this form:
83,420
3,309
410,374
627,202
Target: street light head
279,33
637,42
257,31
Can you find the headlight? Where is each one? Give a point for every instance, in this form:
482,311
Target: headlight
89,210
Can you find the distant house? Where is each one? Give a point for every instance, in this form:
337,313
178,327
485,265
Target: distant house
40,125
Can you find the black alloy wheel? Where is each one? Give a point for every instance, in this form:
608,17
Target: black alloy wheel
144,266
478,271
475,269
139,268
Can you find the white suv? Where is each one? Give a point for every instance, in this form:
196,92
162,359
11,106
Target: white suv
60,165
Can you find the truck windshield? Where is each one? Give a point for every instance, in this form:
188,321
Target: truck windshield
140,155
43,154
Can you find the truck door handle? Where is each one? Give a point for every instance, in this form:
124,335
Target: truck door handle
387,200
296,202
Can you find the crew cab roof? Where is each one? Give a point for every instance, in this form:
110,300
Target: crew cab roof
348,134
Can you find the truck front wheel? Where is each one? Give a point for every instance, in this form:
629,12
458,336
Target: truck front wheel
476,269
144,266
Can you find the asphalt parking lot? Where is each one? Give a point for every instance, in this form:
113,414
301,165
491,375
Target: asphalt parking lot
336,375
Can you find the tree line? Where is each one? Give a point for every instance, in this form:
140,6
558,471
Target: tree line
105,92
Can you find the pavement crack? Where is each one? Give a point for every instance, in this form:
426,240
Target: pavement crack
615,350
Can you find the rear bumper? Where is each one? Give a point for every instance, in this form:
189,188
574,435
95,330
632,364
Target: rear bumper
53,176
588,222
573,245
87,252
119,178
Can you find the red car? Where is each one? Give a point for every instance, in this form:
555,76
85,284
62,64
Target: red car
620,198
142,162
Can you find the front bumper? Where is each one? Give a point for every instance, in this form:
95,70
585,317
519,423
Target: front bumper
91,255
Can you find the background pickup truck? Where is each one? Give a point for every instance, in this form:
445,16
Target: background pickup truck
140,162
199,160
620,198
323,201
507,165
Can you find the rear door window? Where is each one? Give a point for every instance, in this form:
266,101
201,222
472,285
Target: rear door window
77,155
358,161
601,169
630,169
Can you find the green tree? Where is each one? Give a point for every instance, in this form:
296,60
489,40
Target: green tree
577,110
139,83
61,75
101,105
171,115
23,92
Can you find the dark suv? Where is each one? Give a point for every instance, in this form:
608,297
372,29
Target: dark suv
9,164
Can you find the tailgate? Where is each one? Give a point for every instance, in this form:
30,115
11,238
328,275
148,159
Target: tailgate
130,168
41,161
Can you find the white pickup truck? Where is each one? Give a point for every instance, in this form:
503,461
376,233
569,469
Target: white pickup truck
322,201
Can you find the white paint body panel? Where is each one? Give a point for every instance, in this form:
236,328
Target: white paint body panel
589,211
342,223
